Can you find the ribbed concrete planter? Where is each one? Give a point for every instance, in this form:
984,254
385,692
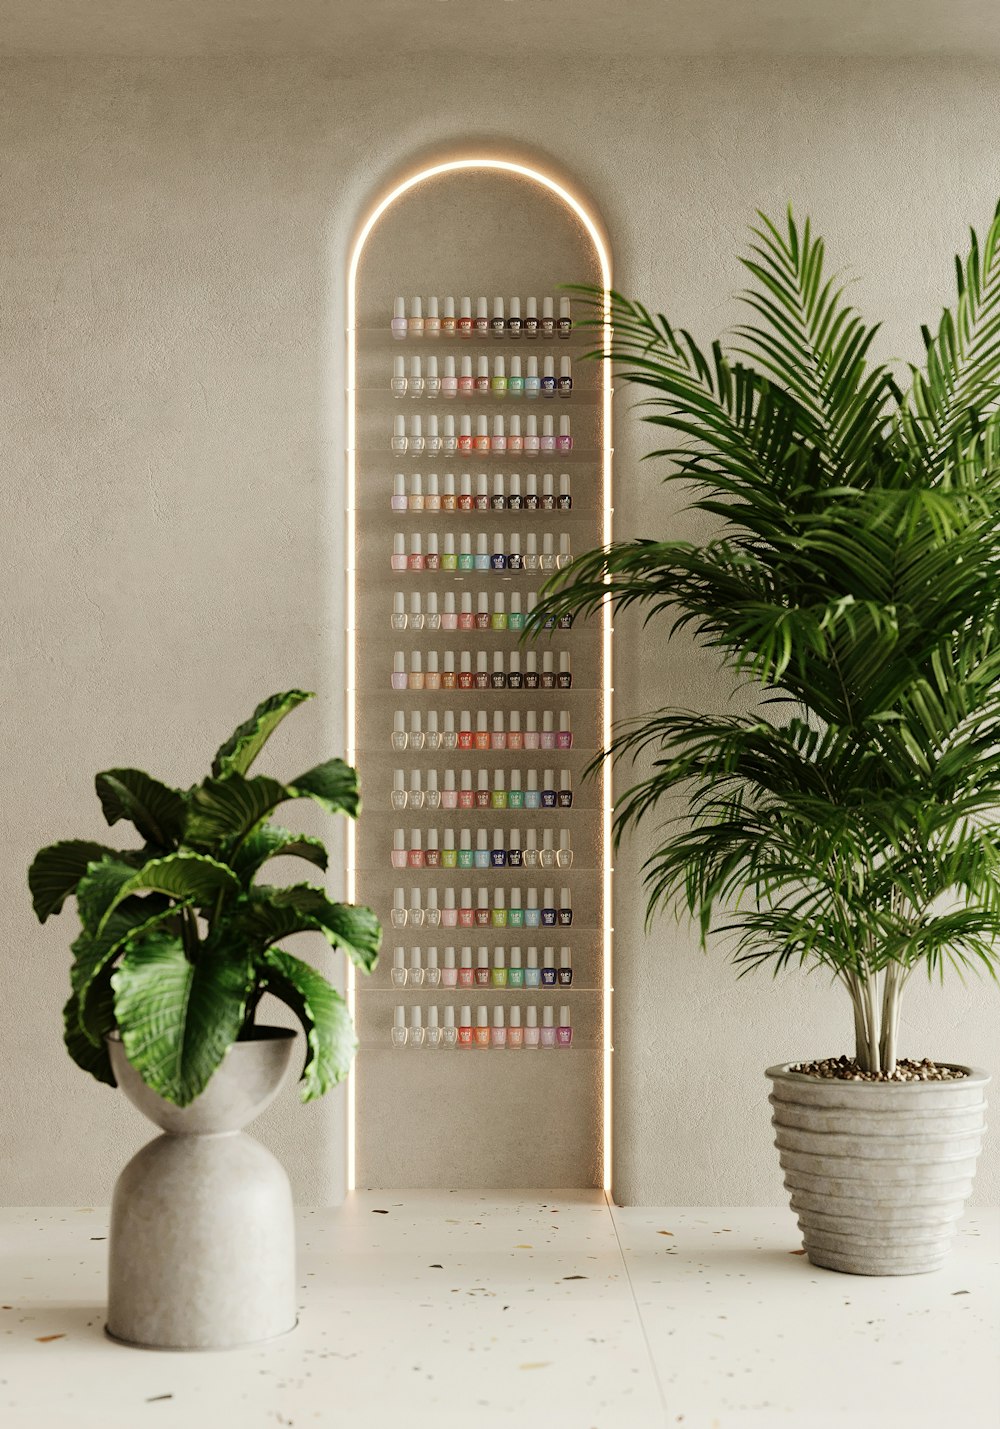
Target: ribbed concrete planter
878,1172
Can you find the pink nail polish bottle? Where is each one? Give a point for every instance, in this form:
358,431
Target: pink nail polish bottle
397,560
449,382
483,966
465,434
515,441
548,443
416,678
466,912
531,1029
548,733
398,680
531,439
531,736
398,857
415,561
466,975
399,500
498,1038
449,618
398,325
498,739
481,1031
449,913
449,973
565,736
565,440
564,1032
449,795
482,318
515,1032
465,1027
548,1038
498,441
515,739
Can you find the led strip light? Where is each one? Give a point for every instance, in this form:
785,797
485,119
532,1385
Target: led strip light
508,166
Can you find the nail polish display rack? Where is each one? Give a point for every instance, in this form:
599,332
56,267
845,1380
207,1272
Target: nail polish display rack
480,843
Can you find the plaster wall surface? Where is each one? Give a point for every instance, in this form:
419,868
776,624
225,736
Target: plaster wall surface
174,239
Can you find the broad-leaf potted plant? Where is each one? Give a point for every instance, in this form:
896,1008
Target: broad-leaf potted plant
851,578
178,945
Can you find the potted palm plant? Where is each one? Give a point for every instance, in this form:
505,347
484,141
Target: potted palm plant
851,578
178,945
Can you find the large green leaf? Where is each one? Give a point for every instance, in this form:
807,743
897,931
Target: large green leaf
272,841
93,955
156,810
91,1056
245,743
176,1018
276,913
224,811
324,1017
56,871
192,877
99,888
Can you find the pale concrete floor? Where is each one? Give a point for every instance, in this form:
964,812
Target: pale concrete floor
422,1308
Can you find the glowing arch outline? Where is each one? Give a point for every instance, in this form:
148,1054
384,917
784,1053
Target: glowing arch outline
597,239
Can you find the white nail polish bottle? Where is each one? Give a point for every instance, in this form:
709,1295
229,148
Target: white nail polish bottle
433,1035
399,324
398,383
398,916
398,442
399,1027
399,967
415,386
449,1034
416,1037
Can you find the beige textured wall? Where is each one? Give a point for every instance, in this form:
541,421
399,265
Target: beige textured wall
173,240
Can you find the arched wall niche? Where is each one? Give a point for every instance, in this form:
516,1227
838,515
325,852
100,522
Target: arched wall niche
454,1117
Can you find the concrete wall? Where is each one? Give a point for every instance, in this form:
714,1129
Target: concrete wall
171,269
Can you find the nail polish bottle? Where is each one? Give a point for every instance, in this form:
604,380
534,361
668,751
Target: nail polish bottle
466,560
532,914
499,618
498,852
449,443
399,736
432,323
449,973
397,561
432,558
498,740
483,375
466,975
498,1037
449,617
465,433
464,672
481,1031
449,913
564,1032
565,377
399,1027
482,560
532,796
499,974
466,912
397,383
415,386
397,799
432,854
415,853
563,558
564,501
432,919
449,1032
416,737
515,382
397,620
398,677
515,973
499,918
482,967
548,325
432,675
548,675
514,318
515,1032
532,387
564,798
548,789
416,324
415,560
448,323
449,560
565,440
531,559
498,441
531,1028
416,1037
482,855
465,730
498,679
483,611
398,856
515,501
398,915
565,967
565,908
398,325
433,444
466,382
432,1040
449,735
515,794
515,561
466,619
498,325
399,501
515,913
531,491
532,739
564,854
466,796
465,1027
483,790
530,854
433,614
564,680
564,739
449,680
482,677
548,1038
549,377
415,679
416,443
449,382
531,682
515,441
565,324
416,972
530,318
497,501
498,382
550,912
482,317
465,854
481,441
515,680
465,318
398,442
532,975
548,499
548,732
449,851
415,797
482,910
548,443
432,795
398,967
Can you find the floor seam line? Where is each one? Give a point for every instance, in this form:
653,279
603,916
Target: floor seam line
638,1312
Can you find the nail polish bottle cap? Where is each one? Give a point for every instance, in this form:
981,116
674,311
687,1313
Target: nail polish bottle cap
432,1017
533,780
449,1012
465,426
415,781
399,1017
399,544
481,539
465,836
531,657
465,720
548,779
547,662
498,307
498,961
482,311
449,308
498,729
466,367
549,366
564,838
416,308
432,953
482,846
546,721
498,604
416,663
546,426
399,722
449,721
514,666
399,426
498,483
449,541
399,367
465,662
466,600
484,785
449,603
547,484
399,957
415,954
449,660
399,308
432,774
549,895
416,545
515,307
416,1016
547,1019
416,427
399,840
399,484
546,307
564,543
532,903
498,540
449,363
465,1020
564,307
482,1017
482,427
432,842
399,604
531,308
415,368
532,373
565,367
565,779
449,431
465,309
564,719
564,484
432,421
465,961
432,600
399,663
466,782
465,480
398,783
564,1011
531,718
483,954
432,307
499,369
498,900
465,544
532,952
498,1011
531,480
515,366
564,662
449,952
399,898
483,367
564,426
449,896
547,844
481,657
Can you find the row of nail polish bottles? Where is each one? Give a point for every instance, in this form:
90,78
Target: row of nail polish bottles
506,733
460,911
506,969
499,1034
509,323
507,791
459,615
506,851
506,554
506,674
417,382
506,494
412,438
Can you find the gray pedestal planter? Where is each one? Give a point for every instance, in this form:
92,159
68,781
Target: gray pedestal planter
202,1243
878,1172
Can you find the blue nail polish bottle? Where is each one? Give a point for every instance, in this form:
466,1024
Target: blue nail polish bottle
532,977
